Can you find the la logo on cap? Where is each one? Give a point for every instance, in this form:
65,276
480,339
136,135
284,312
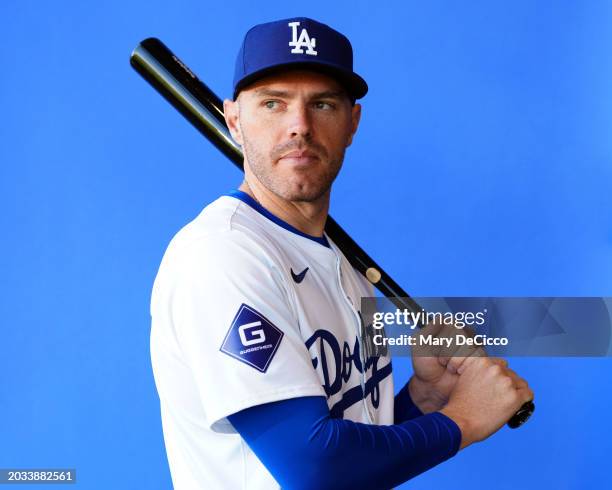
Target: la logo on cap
304,41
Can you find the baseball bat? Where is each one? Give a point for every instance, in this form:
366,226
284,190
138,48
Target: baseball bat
204,110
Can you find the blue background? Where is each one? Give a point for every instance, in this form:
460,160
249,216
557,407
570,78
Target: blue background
481,167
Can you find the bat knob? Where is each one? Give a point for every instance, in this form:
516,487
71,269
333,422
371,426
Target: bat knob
522,416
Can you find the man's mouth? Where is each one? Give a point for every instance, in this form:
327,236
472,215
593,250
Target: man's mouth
300,157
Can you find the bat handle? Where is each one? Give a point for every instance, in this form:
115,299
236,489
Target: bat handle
522,415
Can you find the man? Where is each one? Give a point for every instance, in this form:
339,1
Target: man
256,328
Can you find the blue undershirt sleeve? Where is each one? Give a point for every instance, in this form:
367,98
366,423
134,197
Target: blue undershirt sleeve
304,448
404,408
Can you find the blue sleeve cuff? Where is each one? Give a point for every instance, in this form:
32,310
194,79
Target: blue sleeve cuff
453,429
404,407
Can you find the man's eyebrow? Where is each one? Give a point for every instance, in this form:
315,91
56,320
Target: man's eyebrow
330,94
326,94
266,92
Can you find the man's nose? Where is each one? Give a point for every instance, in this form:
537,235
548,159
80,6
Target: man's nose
300,123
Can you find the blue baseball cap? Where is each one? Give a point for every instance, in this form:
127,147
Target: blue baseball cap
298,42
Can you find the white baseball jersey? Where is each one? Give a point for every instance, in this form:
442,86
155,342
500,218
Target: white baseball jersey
247,310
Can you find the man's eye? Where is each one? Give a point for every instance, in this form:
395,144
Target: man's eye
271,104
324,105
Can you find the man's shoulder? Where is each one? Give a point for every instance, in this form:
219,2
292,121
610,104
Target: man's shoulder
214,220
224,225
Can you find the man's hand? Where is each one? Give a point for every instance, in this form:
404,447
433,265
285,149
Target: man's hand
437,369
486,395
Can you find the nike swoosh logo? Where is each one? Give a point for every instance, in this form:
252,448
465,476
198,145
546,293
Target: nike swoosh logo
298,278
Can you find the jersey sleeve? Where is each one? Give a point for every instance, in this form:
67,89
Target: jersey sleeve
303,447
403,406
235,323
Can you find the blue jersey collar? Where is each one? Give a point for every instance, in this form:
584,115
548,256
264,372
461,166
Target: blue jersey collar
244,197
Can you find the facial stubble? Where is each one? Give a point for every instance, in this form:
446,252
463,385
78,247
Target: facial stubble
300,187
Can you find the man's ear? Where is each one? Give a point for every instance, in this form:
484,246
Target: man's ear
231,112
355,118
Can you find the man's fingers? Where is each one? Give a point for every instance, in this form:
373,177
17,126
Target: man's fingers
422,349
498,360
518,382
454,363
460,363
525,393
449,350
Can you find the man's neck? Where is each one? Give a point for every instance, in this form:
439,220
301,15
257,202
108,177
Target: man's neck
308,217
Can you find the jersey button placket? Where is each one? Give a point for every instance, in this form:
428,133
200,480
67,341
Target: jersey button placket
350,304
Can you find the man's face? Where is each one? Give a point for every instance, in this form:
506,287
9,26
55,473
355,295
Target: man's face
294,128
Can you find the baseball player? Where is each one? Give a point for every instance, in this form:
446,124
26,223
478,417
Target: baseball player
256,328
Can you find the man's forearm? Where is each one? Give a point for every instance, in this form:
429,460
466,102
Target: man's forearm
303,447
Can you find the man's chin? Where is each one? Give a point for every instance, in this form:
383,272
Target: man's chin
302,193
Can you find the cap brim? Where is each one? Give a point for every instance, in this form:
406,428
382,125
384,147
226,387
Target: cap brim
353,83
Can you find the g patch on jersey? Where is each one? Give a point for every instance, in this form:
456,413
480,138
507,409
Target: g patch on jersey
252,339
